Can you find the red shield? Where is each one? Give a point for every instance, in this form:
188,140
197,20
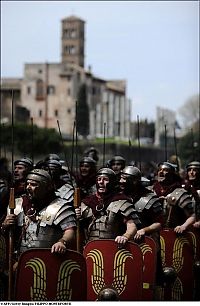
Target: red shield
148,248
2,252
3,285
195,236
177,252
43,276
109,266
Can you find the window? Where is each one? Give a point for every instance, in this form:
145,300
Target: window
40,90
73,50
28,90
93,90
68,91
70,49
70,33
69,111
78,76
56,112
51,90
66,33
40,113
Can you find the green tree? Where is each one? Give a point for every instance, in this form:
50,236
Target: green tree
44,140
82,115
188,147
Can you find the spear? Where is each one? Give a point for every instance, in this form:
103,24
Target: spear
165,142
32,141
77,195
64,152
192,138
0,127
72,154
175,145
11,207
138,136
104,142
199,127
11,247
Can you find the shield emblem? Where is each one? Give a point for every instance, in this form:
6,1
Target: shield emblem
2,252
195,236
3,264
43,276
109,266
177,252
149,253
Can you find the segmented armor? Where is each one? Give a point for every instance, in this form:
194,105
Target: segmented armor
178,205
197,207
109,222
66,192
48,225
148,201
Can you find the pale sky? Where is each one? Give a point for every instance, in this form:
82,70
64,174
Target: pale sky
153,45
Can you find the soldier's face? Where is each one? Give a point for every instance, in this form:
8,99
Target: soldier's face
116,167
127,183
85,169
102,184
53,171
163,173
192,174
19,172
34,189
123,182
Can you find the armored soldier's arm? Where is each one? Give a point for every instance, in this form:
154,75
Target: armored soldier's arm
181,228
83,211
9,220
61,245
197,224
154,227
66,219
131,229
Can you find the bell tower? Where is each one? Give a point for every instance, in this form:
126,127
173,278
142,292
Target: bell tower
73,32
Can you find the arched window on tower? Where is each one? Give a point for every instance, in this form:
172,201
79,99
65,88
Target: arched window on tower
40,90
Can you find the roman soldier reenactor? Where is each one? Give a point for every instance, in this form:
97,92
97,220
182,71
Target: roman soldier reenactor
49,222
86,176
148,207
21,169
109,215
192,185
178,204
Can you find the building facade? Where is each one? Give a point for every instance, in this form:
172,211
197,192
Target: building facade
49,90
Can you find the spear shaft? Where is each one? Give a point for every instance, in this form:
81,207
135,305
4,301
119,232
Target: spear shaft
104,142
138,136
11,207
